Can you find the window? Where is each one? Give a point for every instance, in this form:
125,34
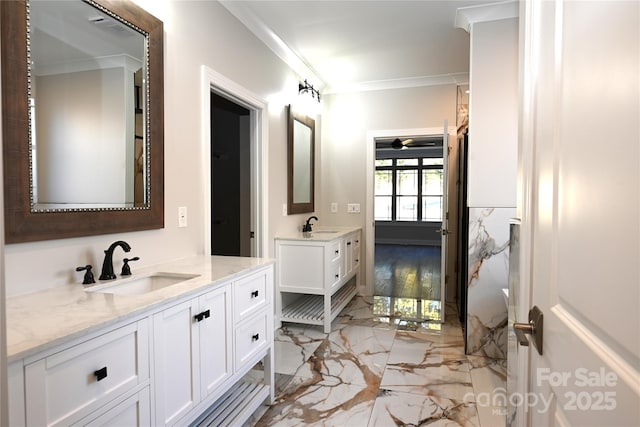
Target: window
409,189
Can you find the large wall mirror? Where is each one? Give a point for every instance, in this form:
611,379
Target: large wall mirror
301,169
82,107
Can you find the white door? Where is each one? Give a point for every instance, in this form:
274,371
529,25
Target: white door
445,216
579,204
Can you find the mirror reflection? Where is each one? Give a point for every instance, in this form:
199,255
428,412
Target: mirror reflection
301,163
301,146
87,109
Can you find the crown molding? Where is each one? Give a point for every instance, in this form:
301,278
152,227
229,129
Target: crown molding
467,16
444,79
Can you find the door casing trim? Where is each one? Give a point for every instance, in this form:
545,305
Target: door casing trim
214,82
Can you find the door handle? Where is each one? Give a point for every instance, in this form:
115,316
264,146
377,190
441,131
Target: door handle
533,328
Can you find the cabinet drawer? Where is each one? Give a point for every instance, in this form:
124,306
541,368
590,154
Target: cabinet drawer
251,337
334,274
335,251
249,295
66,386
134,410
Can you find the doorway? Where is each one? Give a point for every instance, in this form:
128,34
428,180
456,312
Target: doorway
406,223
230,178
235,169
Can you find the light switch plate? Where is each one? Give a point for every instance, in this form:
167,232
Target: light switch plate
353,208
182,216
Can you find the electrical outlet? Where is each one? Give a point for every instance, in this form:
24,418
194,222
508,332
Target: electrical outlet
182,216
334,207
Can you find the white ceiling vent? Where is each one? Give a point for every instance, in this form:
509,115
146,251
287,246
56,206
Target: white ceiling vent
109,24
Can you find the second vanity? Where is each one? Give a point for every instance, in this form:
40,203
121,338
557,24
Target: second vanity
182,354
317,274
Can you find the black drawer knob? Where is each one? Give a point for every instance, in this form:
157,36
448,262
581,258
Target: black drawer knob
100,374
254,294
255,337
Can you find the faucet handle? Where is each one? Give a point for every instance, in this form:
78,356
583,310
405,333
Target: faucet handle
126,270
88,275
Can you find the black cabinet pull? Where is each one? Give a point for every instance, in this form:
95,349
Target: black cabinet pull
337,275
348,243
100,374
337,252
255,337
254,294
201,316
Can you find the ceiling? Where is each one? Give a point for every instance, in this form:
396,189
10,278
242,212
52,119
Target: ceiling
362,45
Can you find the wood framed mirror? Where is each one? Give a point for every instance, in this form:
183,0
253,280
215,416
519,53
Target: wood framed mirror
300,163
26,217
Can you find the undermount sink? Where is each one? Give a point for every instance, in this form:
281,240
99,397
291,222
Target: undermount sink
142,285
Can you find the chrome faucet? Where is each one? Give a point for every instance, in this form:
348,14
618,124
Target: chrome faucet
307,227
107,265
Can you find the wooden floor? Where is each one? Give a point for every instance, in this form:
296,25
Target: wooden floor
407,271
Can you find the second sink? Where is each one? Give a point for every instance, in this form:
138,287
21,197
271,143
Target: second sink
142,285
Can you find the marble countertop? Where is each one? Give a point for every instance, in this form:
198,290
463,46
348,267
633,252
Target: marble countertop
321,233
40,320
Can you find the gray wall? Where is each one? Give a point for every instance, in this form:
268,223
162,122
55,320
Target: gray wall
411,233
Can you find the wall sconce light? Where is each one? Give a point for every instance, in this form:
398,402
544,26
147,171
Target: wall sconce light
308,88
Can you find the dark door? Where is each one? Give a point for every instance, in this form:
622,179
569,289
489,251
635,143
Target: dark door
230,178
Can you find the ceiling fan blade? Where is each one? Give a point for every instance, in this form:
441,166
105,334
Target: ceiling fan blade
398,144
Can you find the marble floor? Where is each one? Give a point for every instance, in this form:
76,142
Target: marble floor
381,370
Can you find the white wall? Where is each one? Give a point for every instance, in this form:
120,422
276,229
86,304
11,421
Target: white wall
196,33
493,114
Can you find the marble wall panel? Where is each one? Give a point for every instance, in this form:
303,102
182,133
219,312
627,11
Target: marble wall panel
488,272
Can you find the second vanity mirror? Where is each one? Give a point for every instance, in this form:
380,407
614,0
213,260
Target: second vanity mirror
82,84
301,168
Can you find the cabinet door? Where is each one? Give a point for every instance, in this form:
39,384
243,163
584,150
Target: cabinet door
177,362
355,252
301,267
215,339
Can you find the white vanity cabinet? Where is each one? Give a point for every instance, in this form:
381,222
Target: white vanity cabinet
94,381
182,360
204,346
317,276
